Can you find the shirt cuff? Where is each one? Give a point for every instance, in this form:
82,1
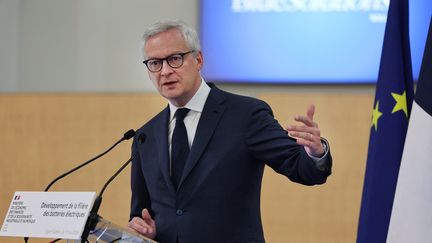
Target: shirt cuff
321,161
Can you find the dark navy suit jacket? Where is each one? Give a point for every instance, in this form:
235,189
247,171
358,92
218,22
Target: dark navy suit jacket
218,198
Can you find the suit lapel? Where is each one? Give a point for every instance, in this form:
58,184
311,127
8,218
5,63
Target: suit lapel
212,112
161,136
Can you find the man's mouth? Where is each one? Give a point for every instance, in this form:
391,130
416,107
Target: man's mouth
169,83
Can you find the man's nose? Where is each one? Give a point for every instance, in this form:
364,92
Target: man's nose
166,68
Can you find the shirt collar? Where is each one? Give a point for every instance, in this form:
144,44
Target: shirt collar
196,103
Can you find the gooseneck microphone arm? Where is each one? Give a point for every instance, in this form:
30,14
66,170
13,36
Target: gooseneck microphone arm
115,175
129,134
93,215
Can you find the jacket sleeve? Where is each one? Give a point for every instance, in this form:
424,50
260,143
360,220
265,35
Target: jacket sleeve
140,195
269,142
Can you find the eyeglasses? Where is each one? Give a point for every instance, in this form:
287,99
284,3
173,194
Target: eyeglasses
174,61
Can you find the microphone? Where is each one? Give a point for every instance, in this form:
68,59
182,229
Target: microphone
93,217
128,135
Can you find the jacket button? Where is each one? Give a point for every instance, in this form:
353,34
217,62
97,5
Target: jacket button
179,212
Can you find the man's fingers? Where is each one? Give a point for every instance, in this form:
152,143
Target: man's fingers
140,226
306,120
312,147
308,134
311,111
147,217
145,225
303,129
305,136
138,222
145,214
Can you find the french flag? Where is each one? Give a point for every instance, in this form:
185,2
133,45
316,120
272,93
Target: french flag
411,217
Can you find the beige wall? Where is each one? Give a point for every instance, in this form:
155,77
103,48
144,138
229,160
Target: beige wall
43,135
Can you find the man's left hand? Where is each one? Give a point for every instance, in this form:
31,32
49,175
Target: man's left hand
308,134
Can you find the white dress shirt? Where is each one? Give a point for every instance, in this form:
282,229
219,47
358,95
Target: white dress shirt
195,105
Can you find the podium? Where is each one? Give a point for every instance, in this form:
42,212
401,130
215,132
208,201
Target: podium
106,231
63,215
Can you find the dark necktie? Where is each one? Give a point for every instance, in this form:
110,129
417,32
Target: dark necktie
180,147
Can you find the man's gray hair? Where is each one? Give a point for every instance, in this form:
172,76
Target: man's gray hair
188,33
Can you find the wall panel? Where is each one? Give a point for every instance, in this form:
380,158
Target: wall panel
43,135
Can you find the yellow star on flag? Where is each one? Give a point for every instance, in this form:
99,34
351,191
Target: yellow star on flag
376,114
401,103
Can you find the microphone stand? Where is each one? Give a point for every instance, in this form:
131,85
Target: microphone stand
126,136
129,134
93,218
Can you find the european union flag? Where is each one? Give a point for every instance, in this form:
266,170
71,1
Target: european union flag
392,106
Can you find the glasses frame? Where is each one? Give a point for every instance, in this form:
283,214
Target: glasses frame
182,54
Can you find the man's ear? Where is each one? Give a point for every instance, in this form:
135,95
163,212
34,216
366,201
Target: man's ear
200,60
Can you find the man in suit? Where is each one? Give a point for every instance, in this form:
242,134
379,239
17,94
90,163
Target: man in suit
204,185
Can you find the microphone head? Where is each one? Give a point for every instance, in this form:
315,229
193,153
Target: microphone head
129,134
142,137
